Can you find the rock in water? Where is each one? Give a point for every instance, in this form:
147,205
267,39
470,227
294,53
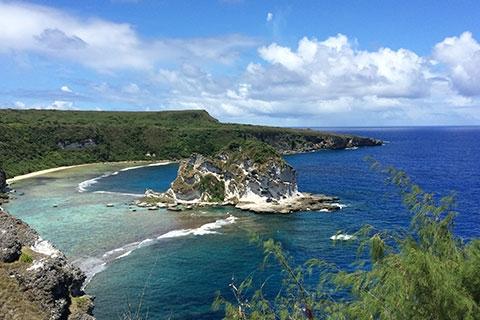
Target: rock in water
40,279
250,175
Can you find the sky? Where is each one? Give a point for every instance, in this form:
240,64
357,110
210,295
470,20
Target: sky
286,63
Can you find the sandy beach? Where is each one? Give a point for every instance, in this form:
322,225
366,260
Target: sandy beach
47,171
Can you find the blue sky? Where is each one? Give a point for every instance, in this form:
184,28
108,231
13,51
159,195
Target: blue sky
312,63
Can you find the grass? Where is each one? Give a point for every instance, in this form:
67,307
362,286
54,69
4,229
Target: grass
80,305
25,257
14,303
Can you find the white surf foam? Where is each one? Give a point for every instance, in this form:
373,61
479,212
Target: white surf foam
92,266
339,205
146,165
45,247
124,255
351,148
208,228
343,237
83,186
120,193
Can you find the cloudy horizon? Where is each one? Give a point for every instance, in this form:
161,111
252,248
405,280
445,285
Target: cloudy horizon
268,72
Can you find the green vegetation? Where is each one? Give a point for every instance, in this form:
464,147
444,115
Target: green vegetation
424,273
214,187
32,140
14,302
25,257
80,306
251,149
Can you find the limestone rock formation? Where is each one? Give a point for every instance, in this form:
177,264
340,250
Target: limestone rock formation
38,276
250,175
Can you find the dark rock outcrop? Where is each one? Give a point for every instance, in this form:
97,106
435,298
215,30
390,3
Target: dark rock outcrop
291,142
11,248
251,176
3,181
77,145
40,273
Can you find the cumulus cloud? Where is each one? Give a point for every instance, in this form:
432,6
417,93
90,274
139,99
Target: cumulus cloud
324,81
61,105
333,68
101,44
66,89
461,55
55,105
314,81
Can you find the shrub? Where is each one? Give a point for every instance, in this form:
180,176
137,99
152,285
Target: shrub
25,257
215,188
426,273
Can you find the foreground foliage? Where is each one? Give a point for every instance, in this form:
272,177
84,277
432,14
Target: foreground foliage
424,273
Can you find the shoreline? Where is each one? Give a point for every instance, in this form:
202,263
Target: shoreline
52,170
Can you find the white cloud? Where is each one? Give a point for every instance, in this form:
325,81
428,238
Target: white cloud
66,89
269,17
20,105
61,105
131,88
326,82
323,82
56,104
461,55
101,44
334,68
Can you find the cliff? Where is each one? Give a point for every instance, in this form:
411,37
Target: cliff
3,181
305,140
249,175
36,280
3,187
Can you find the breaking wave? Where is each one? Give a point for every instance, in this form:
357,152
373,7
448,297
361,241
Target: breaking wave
343,237
92,265
84,185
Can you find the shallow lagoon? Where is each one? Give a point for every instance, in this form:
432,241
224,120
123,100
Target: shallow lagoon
179,274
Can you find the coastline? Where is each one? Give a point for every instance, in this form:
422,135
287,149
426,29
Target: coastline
52,170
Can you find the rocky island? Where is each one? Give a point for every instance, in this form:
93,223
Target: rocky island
36,279
249,175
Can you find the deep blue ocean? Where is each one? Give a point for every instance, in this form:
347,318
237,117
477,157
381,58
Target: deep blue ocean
176,276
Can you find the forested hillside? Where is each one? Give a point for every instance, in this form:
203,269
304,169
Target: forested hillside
33,140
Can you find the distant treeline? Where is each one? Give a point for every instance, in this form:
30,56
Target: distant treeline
32,140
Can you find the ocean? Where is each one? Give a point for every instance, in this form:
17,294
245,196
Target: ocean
173,263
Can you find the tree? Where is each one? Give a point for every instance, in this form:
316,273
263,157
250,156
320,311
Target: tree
424,273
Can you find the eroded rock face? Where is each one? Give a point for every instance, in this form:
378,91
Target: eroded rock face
10,247
77,145
266,185
313,141
219,179
3,181
43,275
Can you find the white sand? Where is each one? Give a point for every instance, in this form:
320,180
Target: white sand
47,171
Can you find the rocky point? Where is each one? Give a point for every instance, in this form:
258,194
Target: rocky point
248,175
36,280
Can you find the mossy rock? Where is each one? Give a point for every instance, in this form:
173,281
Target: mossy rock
214,187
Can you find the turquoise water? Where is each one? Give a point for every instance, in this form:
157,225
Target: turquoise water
193,254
